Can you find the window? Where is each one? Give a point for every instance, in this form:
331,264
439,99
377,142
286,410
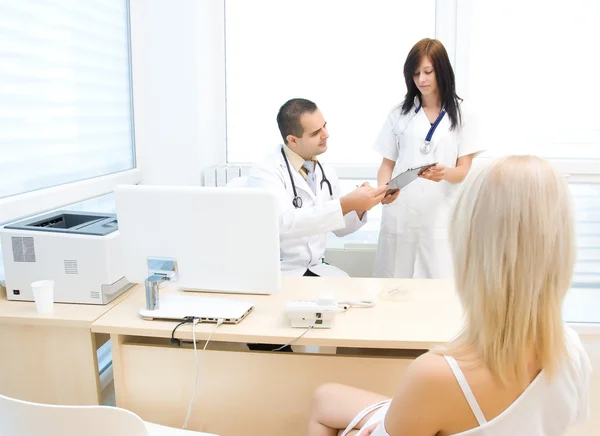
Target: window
524,69
65,99
347,57
531,78
587,215
529,81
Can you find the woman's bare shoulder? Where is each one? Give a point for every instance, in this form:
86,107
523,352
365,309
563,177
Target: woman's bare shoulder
427,388
433,365
430,372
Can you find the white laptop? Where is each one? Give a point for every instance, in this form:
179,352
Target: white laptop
222,239
208,310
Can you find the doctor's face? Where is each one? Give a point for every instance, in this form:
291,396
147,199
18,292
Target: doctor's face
314,139
425,78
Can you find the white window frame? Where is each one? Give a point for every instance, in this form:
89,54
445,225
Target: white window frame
34,202
30,203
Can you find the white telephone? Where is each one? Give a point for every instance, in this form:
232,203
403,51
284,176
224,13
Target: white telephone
320,313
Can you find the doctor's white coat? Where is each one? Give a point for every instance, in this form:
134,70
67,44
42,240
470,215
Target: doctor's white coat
303,231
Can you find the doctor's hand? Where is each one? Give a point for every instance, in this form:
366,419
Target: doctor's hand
435,174
363,198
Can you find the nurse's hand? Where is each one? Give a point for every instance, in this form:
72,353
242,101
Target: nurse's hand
435,174
390,196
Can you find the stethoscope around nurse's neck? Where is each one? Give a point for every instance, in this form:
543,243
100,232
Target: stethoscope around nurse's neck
297,201
426,147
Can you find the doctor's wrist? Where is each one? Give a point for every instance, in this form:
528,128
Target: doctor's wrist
347,204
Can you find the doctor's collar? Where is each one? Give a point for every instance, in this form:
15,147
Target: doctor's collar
295,159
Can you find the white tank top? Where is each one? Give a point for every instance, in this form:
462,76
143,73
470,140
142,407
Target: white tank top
543,409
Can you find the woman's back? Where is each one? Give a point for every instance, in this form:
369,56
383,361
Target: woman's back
471,401
545,407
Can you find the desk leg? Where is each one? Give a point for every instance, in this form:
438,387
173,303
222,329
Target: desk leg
116,342
52,365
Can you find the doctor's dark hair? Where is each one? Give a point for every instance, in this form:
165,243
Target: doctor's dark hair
288,118
436,52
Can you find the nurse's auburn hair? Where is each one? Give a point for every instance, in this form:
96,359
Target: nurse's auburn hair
436,52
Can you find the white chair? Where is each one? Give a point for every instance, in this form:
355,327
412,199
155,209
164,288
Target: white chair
22,418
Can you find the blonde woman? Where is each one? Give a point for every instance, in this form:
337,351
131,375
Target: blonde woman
515,369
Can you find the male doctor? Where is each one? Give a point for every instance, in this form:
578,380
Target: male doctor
310,202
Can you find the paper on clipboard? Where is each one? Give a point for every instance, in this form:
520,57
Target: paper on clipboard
403,179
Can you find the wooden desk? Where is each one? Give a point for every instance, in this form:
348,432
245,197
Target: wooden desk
267,393
429,315
50,358
265,390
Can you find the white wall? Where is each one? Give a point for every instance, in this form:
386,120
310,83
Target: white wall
178,63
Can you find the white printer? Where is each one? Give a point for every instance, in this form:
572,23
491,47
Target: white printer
79,251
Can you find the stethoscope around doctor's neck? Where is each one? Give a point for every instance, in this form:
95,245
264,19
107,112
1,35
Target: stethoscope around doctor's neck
297,201
426,147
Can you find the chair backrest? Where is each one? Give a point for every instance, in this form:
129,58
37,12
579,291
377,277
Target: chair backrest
22,418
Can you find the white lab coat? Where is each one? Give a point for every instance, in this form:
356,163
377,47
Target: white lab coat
414,228
303,231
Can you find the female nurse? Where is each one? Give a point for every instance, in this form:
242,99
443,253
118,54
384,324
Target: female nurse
427,127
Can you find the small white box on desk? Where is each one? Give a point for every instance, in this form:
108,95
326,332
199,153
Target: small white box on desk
305,314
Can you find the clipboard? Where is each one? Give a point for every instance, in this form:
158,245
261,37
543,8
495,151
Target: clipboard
411,174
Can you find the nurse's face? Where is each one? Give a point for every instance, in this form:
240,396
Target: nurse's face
425,78
314,139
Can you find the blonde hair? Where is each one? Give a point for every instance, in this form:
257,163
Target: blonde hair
513,247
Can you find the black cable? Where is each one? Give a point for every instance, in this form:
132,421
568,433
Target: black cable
186,320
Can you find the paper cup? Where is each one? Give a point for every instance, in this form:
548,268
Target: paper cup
43,295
